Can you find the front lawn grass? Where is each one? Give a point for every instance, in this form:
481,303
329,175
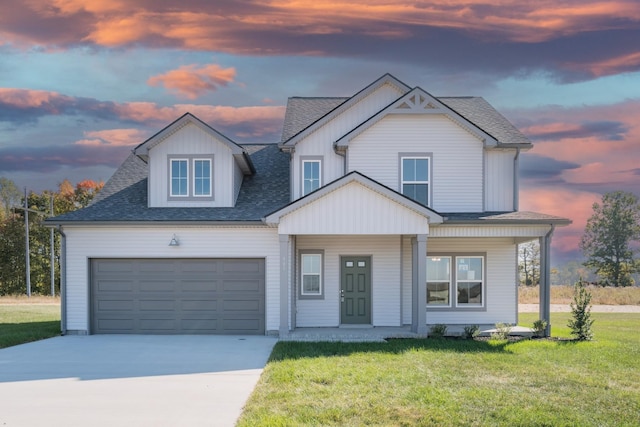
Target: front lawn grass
21,323
445,382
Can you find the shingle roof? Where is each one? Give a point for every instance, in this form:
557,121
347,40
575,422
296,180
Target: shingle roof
482,114
124,197
302,112
522,217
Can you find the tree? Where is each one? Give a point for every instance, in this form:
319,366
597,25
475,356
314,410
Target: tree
608,237
529,263
581,321
10,196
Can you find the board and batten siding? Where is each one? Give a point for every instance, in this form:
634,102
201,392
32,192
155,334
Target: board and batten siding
85,243
190,140
457,157
385,279
500,281
499,180
320,142
353,209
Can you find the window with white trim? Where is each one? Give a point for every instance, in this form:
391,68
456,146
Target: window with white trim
311,274
455,281
439,281
469,280
202,177
311,176
179,178
415,178
191,177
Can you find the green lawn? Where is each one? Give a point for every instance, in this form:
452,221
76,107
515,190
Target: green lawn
456,382
20,323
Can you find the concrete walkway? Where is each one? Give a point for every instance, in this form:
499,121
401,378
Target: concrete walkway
122,380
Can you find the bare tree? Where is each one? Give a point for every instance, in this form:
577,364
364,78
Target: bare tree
529,263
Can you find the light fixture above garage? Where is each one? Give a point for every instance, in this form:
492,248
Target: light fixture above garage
174,241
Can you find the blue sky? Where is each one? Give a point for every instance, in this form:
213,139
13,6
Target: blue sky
83,81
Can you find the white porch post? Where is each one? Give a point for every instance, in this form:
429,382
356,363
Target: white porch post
419,286
284,284
545,280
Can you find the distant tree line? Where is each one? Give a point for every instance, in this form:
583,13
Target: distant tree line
610,245
13,238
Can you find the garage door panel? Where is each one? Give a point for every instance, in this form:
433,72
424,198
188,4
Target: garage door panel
199,296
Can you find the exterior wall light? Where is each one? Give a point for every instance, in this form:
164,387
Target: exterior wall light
174,241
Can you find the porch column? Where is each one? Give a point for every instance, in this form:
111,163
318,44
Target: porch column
419,288
545,280
284,284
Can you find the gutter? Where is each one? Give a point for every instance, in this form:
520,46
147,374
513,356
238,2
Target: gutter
516,196
63,281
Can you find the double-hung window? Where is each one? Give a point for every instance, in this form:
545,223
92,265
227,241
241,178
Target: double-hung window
455,281
179,178
415,178
311,274
439,281
191,177
311,175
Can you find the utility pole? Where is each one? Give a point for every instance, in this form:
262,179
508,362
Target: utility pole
26,254
53,255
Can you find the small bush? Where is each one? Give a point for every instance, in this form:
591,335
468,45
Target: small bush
580,322
471,331
502,331
438,331
539,327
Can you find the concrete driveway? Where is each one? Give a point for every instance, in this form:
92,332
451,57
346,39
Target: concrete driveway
130,380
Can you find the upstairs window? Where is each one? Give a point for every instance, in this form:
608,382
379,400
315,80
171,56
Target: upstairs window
311,176
202,177
415,178
179,177
191,178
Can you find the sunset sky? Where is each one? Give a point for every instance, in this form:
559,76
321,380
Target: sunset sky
83,81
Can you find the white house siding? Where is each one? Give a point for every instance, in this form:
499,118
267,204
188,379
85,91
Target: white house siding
500,281
499,180
195,242
353,209
457,157
385,278
191,140
320,142
238,176
514,231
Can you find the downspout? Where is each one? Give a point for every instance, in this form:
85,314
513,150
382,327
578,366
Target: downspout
63,281
545,293
516,183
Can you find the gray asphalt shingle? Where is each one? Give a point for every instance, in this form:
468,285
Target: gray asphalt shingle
124,197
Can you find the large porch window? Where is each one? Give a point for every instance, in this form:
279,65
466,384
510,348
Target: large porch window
455,281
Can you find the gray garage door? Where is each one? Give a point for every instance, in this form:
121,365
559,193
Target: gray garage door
177,296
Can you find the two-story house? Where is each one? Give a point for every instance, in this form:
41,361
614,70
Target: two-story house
391,208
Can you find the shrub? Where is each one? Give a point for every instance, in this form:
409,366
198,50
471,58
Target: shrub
438,331
580,322
539,327
502,331
471,331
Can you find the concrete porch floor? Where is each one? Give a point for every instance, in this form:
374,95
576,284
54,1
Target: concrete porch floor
380,334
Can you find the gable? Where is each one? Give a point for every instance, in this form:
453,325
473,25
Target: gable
305,121
353,204
416,101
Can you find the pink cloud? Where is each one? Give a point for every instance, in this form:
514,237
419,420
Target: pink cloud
191,81
563,202
113,137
